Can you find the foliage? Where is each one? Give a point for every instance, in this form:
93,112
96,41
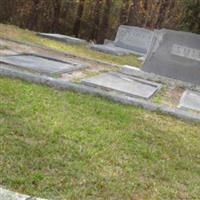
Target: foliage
191,17
99,19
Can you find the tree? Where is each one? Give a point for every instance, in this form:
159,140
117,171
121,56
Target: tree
33,18
123,19
105,21
96,19
56,14
79,14
164,4
134,13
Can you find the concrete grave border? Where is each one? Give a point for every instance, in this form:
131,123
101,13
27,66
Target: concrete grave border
66,85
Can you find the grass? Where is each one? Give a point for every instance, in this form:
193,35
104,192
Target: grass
16,33
73,146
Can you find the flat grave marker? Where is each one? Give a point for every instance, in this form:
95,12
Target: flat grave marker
190,100
130,86
63,38
40,64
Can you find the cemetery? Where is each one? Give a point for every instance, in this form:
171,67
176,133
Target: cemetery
106,108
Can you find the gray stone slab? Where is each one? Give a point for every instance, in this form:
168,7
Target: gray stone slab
63,38
134,38
190,100
40,64
176,55
9,195
110,49
127,85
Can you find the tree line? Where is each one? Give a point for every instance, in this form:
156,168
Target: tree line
99,19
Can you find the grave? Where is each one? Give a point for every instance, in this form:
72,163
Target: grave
40,64
190,100
63,38
176,55
130,86
132,39
110,49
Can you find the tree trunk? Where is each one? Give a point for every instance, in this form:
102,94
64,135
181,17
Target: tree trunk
79,14
56,11
134,13
105,21
97,14
162,13
124,12
33,19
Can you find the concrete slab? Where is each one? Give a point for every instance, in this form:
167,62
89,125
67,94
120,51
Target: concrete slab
130,86
110,49
176,55
190,100
40,64
63,38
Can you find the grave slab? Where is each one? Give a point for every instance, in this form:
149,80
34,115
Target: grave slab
110,49
40,64
176,55
130,86
190,100
63,38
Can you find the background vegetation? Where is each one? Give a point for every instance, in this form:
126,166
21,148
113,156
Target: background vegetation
99,19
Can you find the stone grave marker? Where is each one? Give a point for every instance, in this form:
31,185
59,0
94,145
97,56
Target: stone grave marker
110,49
134,38
190,100
176,55
40,64
63,38
130,39
130,86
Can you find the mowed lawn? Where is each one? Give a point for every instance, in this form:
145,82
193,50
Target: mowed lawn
64,145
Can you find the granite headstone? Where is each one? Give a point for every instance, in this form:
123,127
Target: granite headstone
133,40
174,54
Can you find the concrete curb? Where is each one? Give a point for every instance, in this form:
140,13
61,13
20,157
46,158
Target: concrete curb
65,85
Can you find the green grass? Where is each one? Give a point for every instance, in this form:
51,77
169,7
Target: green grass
73,146
16,33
